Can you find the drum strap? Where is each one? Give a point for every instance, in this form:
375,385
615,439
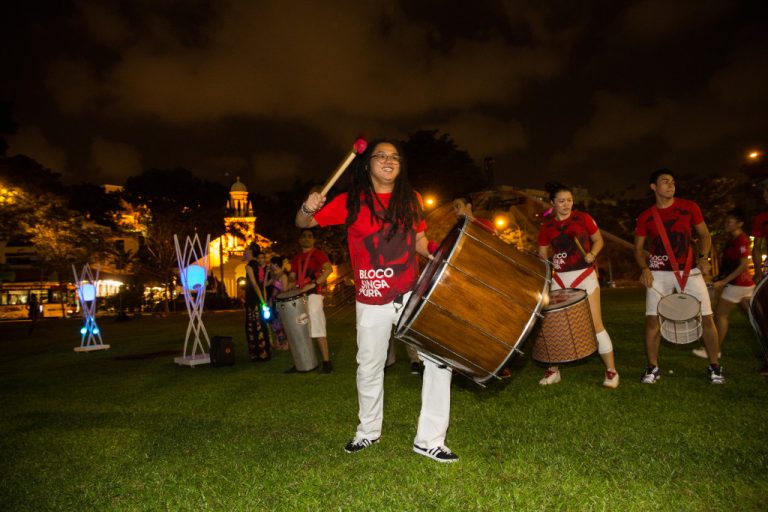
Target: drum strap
302,270
681,279
576,282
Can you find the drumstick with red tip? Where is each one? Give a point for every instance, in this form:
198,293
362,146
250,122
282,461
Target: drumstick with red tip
357,148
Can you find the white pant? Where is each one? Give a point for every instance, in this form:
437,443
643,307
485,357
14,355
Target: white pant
316,315
736,294
374,329
665,283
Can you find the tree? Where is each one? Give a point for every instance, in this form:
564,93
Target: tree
94,202
437,165
173,202
62,239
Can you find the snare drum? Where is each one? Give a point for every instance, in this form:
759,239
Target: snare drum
475,302
294,314
680,318
567,332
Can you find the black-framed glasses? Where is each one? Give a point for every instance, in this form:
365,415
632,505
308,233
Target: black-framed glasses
383,157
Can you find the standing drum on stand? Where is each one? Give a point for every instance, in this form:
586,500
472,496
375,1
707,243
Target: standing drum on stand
292,308
680,318
567,332
475,302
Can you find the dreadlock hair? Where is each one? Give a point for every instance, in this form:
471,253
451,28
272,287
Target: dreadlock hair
403,210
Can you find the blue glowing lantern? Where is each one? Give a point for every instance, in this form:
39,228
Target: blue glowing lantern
195,277
88,292
266,314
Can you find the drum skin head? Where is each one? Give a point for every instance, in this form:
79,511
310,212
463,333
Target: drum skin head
295,292
564,297
679,306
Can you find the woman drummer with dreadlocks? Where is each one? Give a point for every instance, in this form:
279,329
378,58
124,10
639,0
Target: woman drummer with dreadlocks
385,231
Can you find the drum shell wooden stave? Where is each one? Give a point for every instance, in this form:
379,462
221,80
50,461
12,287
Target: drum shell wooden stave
758,313
475,302
566,332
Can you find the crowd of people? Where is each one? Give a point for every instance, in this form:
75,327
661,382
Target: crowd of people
385,229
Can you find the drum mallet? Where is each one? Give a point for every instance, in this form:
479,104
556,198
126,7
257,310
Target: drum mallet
357,148
581,249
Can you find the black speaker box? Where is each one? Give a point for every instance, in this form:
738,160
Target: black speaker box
222,351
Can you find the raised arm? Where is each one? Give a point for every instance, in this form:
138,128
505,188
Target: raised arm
305,217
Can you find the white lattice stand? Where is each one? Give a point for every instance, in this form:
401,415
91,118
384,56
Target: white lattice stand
193,271
90,334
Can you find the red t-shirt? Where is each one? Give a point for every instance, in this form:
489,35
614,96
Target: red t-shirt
308,266
735,250
560,234
678,219
760,225
382,269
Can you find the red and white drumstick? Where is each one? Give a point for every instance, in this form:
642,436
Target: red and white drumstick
357,148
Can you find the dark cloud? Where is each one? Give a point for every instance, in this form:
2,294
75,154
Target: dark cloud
276,91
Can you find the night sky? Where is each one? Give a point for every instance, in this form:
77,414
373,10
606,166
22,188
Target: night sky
594,93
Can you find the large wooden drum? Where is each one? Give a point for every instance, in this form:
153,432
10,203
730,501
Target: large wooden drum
475,302
758,313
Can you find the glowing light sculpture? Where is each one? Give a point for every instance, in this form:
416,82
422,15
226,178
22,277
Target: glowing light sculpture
90,334
193,271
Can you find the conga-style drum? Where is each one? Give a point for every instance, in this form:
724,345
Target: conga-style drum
758,312
680,318
294,314
475,302
567,332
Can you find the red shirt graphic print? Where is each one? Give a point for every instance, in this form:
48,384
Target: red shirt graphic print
382,268
735,250
678,219
561,235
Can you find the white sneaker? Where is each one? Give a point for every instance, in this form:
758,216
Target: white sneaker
702,353
611,379
716,374
550,377
651,375
438,453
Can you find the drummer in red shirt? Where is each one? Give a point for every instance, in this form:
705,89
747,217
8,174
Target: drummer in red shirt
734,279
385,231
462,207
679,218
312,267
567,234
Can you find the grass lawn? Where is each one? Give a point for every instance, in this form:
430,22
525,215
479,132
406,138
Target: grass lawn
127,429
